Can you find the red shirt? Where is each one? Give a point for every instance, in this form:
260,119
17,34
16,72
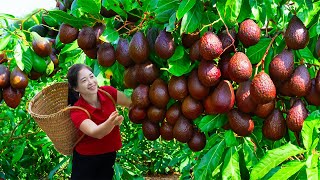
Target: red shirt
109,143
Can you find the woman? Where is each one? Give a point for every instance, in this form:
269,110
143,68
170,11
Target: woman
94,156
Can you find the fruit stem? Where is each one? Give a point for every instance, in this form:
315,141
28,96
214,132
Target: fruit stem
266,53
139,26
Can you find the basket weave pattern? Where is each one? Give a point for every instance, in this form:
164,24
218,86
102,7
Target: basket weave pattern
50,110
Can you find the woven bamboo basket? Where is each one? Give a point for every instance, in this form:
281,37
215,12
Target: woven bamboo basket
50,110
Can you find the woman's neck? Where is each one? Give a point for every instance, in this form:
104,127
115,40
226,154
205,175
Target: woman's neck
92,99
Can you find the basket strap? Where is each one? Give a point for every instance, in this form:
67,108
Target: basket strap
106,93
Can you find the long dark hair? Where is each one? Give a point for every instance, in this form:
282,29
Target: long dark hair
72,76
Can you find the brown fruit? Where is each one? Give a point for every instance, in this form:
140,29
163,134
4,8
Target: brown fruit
18,79
40,45
224,66
243,98
106,55
300,81
182,130
281,66
249,33
155,114
137,115
122,53
284,88
130,77
150,130
4,76
296,116
197,141
54,59
87,38
191,108
240,122
12,97
91,53
98,30
263,110
3,58
196,89
107,13
140,96
222,98
189,39
313,97
239,68
317,81
152,35
166,131
67,33
209,74
274,127
178,87
210,46
296,35
207,104
34,75
262,88
139,48
158,93
164,45
147,73
194,52
173,113
228,41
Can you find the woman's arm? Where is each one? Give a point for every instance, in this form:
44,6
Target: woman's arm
99,131
123,100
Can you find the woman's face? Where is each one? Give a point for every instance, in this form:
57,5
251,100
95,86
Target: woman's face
87,82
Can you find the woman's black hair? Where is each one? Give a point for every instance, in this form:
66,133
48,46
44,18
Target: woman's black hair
72,77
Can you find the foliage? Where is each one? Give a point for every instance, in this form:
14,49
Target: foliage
27,153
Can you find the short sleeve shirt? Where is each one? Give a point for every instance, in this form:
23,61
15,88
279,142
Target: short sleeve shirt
109,143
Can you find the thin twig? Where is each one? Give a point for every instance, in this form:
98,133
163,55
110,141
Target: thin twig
232,44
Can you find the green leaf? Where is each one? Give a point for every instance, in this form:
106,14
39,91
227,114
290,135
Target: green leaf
250,156
149,5
273,158
245,12
230,138
309,129
27,60
184,7
178,54
179,67
92,6
231,168
170,27
18,56
229,11
18,152
255,9
210,122
165,9
50,68
57,167
256,52
209,161
4,41
307,55
287,170
110,35
312,166
191,20
62,16
69,47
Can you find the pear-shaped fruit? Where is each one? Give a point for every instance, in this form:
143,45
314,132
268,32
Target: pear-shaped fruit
281,66
274,127
152,35
164,45
12,97
151,130
197,141
210,46
40,29
243,98
155,114
240,68
166,131
98,30
240,122
196,89
263,110
87,38
140,96
4,76
313,97
249,33
182,130
222,98
178,87
209,74
147,73
262,88
191,108
228,40
194,52
139,48
189,39
173,113
317,82
67,33
130,77
122,53
207,104
300,81
106,55
296,35
158,93
137,114
40,45
18,79
91,53
296,116
224,65
39,64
